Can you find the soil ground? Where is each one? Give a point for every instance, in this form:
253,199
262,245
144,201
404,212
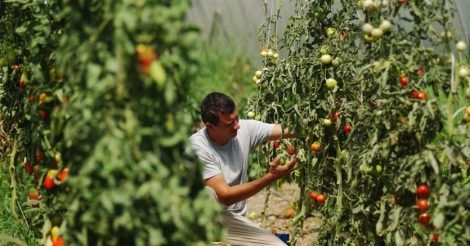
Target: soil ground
279,212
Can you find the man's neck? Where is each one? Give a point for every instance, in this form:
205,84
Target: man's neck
217,140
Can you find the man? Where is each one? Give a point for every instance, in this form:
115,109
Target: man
223,146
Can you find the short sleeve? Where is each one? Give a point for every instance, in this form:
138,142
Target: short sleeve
210,167
259,132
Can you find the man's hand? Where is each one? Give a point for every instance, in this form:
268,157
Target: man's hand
281,171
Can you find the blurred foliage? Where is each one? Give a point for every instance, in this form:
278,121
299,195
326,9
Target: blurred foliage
98,89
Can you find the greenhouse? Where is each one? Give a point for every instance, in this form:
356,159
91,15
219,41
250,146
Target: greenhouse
218,122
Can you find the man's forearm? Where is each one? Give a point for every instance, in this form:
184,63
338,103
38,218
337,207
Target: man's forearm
241,192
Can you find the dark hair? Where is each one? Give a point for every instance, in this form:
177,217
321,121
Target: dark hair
213,104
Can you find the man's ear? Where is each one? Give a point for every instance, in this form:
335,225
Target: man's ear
209,126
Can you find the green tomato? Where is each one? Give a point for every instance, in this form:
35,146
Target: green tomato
326,59
377,33
331,83
10,57
461,46
367,28
378,169
251,114
336,62
385,25
330,32
327,122
463,72
325,50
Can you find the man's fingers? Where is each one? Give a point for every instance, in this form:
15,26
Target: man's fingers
296,166
275,162
292,162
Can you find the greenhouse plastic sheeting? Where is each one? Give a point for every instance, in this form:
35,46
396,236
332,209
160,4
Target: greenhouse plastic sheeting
236,22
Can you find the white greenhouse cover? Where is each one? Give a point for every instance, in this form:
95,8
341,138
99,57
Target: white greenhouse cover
236,22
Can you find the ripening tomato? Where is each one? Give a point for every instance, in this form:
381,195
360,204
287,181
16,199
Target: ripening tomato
55,232
321,198
347,128
291,150
404,80
316,147
402,1
422,191
422,96
424,218
42,98
34,195
422,204
313,195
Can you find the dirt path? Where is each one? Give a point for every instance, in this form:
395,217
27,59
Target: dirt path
279,212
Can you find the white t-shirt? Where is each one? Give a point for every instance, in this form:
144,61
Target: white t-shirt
231,159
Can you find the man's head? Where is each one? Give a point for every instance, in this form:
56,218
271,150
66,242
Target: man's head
219,114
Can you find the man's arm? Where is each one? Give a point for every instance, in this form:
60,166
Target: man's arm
278,133
229,195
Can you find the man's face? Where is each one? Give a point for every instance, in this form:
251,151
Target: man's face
228,125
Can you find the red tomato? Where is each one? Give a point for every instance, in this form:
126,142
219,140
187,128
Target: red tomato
291,150
316,147
402,1
276,144
321,198
420,71
347,128
422,191
58,241
313,195
422,204
63,175
435,237
31,98
415,94
49,182
424,218
43,114
29,168
404,80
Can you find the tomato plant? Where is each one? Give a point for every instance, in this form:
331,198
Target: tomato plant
389,86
